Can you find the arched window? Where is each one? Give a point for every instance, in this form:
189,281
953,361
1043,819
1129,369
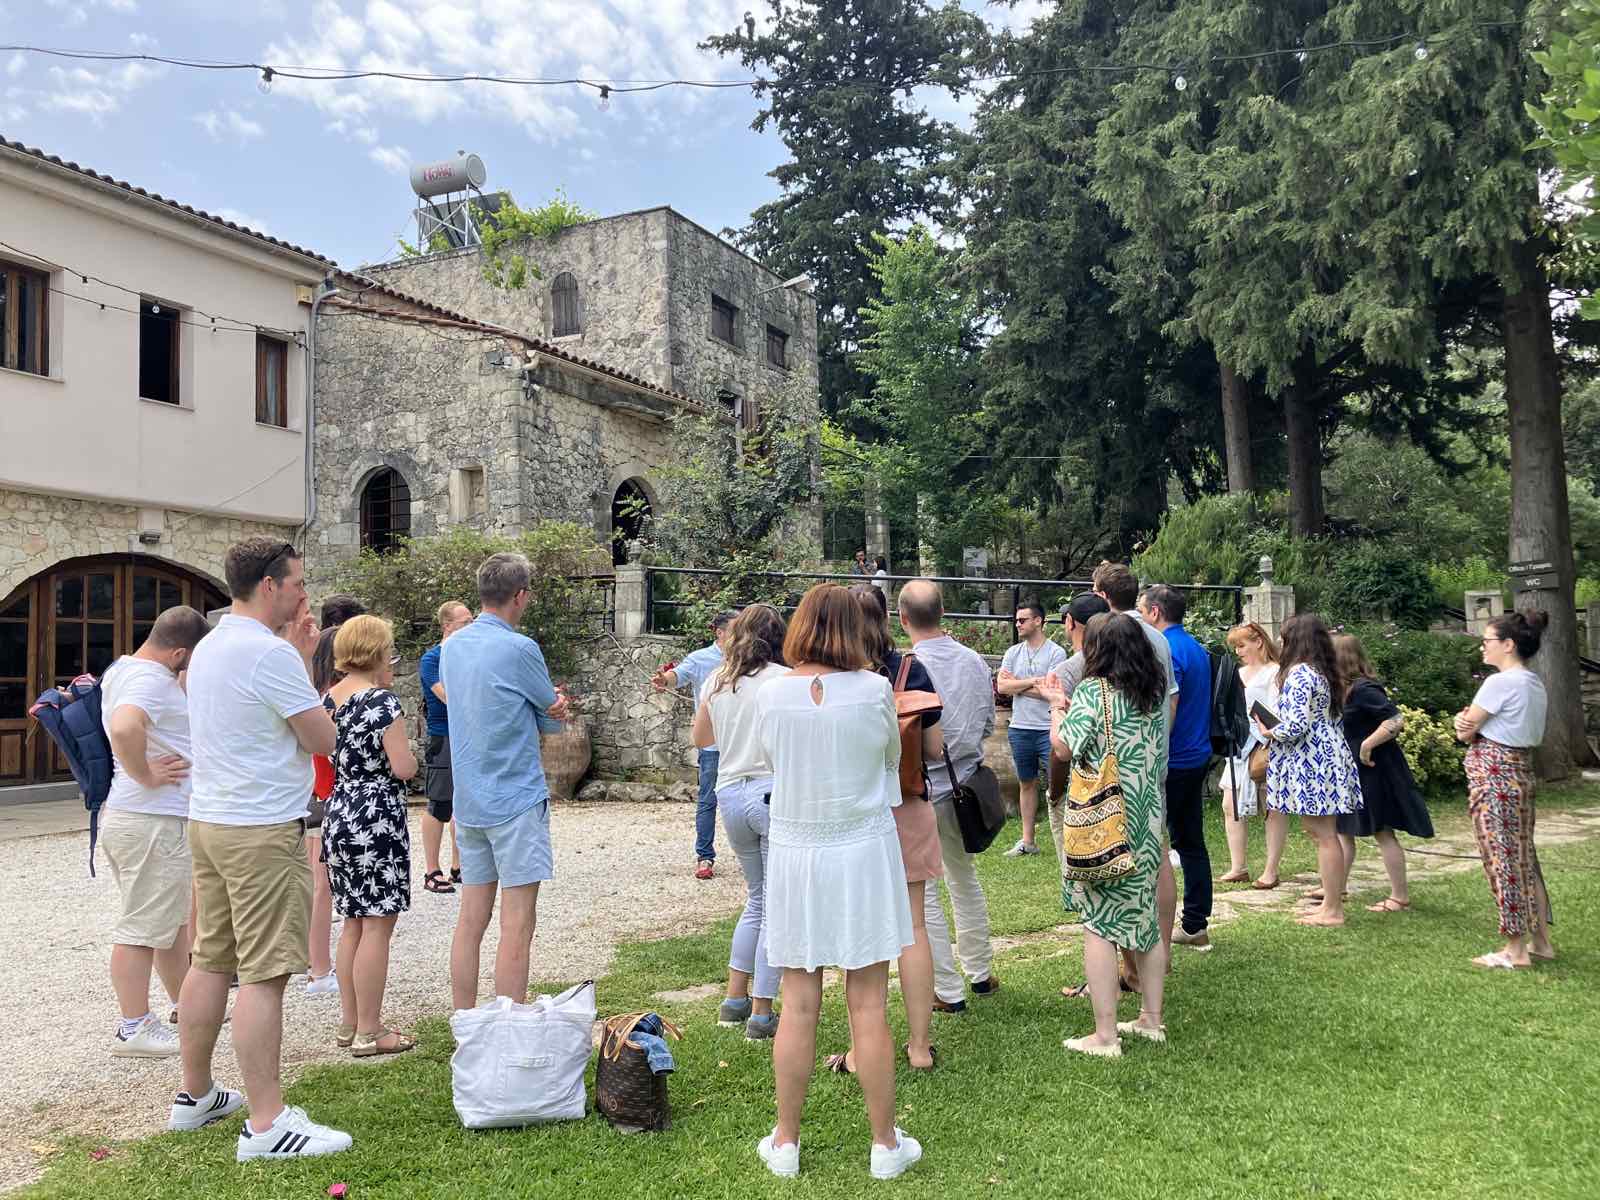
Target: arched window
385,511
630,512
566,311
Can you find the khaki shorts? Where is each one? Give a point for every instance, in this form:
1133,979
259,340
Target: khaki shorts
149,858
252,899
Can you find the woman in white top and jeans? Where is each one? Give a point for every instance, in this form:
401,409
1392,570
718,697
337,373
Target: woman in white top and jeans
836,884
727,719
1502,726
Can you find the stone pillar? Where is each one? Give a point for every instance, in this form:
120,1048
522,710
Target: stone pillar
632,614
877,531
1270,604
1481,608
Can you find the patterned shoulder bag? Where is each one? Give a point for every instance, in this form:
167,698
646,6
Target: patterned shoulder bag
1094,832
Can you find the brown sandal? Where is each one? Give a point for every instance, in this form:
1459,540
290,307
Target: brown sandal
1238,876
1261,885
838,1064
1389,905
345,1036
367,1045
434,881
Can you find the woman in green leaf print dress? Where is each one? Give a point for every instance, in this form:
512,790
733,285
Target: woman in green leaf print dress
1119,665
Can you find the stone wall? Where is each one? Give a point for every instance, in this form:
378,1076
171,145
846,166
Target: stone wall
37,531
552,443
636,733
620,264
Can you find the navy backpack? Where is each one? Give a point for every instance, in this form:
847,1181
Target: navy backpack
71,716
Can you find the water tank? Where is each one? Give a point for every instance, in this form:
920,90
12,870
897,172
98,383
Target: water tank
452,175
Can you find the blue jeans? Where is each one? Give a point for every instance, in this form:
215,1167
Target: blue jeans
705,810
744,819
1030,753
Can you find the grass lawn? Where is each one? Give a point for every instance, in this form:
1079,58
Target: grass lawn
1371,1061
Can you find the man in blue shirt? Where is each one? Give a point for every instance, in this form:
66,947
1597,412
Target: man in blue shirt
694,670
503,698
453,615
1188,759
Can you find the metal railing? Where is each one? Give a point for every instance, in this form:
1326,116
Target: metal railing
606,588
1050,593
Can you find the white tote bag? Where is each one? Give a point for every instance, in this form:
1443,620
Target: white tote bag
519,1064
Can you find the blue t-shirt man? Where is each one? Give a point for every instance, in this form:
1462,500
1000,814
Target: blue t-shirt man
438,714
1191,727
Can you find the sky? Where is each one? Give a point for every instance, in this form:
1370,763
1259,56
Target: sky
325,165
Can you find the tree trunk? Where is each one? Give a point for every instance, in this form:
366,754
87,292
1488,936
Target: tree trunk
1541,529
1236,430
1306,513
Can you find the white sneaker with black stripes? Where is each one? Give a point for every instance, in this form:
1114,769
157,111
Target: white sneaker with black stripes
190,1112
292,1135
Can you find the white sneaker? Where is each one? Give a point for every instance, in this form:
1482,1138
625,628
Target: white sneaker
1020,849
889,1162
190,1112
782,1161
292,1135
151,1040
326,985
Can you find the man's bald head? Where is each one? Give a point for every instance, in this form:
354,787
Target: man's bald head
921,606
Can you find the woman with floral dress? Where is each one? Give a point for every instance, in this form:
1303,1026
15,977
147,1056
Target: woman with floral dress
1125,688
1310,770
365,840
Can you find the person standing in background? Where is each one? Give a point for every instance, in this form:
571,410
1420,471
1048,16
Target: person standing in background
693,671
453,615
1024,666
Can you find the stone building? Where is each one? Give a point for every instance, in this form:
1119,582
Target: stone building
441,398
153,380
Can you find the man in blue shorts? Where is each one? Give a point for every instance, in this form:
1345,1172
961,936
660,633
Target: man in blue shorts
1032,658
501,698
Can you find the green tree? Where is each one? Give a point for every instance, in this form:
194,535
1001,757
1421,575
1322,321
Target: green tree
1568,114
839,85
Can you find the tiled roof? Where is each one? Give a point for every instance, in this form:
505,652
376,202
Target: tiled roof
32,152
368,284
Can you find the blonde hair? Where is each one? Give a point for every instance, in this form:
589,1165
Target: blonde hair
448,608
1250,631
363,643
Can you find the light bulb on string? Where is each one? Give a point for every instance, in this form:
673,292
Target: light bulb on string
1179,82
1421,52
605,98
266,81
155,310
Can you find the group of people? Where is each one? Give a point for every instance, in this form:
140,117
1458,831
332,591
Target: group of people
833,758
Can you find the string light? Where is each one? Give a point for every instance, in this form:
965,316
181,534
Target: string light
265,85
605,98
1421,52
1179,82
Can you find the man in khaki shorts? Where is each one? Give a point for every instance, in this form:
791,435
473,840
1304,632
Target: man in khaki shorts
255,722
144,831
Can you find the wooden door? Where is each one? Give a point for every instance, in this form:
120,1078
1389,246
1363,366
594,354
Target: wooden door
18,670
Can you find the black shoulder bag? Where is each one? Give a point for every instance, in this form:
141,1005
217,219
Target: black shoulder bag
980,812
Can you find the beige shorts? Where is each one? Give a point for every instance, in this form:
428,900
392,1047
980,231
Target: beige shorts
149,859
252,899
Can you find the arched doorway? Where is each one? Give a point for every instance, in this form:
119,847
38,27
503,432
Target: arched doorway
385,511
74,618
630,511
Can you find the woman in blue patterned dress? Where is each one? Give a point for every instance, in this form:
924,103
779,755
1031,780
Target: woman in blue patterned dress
365,839
1310,770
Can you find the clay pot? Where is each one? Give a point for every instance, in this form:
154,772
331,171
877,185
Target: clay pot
566,756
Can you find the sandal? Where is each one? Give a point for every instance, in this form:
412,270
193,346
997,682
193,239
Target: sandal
838,1064
1080,991
933,1054
367,1044
345,1036
1261,885
455,874
1389,905
1499,961
1238,876
434,881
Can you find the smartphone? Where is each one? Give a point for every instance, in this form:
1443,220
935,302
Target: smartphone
1262,713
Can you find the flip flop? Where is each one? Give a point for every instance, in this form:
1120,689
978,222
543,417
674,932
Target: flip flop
1542,957
1498,961
1234,877
1261,885
933,1053
1389,905
434,881
368,1047
838,1064
1080,991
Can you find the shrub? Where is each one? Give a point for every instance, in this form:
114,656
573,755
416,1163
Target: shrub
1436,672
1368,581
1452,581
1431,750
408,584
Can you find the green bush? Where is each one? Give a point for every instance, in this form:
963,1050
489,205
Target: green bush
1453,580
1368,581
1431,750
1436,672
408,584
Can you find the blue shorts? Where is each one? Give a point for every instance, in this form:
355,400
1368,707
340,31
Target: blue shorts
512,855
1030,751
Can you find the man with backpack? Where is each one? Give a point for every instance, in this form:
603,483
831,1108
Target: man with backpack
144,831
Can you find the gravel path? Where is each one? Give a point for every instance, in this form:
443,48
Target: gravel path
622,872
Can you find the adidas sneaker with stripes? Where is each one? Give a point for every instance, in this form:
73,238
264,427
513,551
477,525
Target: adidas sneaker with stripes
190,1112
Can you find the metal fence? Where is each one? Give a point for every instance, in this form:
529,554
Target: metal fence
668,594
600,601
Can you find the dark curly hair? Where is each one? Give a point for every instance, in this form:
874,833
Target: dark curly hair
1306,640
1116,650
1525,628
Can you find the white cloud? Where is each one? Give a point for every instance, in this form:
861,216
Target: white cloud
16,65
231,125
10,113
97,95
141,41
243,218
390,158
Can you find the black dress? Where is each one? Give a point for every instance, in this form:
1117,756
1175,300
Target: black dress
365,840
1389,793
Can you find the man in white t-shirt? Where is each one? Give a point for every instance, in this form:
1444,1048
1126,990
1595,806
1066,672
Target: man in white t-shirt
255,721
1033,657
143,832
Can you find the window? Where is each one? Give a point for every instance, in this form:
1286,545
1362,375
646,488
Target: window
724,319
566,315
467,496
24,319
748,414
158,351
272,382
777,347
385,511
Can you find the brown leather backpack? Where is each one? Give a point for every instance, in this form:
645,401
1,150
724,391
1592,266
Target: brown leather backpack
910,706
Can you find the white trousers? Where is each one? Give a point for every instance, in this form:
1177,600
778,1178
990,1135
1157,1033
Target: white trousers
971,909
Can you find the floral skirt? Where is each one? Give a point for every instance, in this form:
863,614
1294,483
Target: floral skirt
1500,800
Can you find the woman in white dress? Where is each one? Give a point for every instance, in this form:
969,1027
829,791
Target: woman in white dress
1241,796
836,890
